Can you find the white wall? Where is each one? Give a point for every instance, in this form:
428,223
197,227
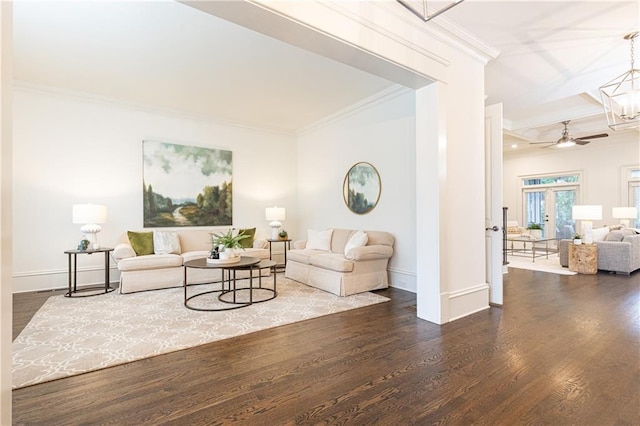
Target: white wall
381,133
71,149
601,163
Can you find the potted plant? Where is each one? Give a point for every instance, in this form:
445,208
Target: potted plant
228,243
577,239
535,230
283,234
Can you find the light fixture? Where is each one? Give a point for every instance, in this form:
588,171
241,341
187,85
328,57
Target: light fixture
587,214
624,214
621,96
275,215
424,13
90,215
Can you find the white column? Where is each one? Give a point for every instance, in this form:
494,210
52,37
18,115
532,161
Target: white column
6,285
431,146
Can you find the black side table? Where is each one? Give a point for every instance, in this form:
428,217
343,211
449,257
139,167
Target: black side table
73,277
287,246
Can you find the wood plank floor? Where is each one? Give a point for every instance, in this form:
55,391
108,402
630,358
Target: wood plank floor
563,350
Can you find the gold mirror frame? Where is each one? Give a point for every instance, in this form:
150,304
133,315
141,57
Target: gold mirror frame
361,185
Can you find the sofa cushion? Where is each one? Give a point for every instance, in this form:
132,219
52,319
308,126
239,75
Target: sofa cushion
247,242
302,256
196,254
141,242
319,240
152,261
165,242
333,261
358,239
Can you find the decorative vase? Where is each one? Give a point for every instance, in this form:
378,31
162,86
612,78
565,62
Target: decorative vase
577,241
535,233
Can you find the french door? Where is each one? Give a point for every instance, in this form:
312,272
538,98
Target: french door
551,208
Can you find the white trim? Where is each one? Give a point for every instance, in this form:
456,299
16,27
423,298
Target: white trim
360,20
468,301
25,86
446,32
60,271
402,279
370,102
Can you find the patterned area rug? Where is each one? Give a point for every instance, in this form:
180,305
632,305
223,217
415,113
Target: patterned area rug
73,336
541,264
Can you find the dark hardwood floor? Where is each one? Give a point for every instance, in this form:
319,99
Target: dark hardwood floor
563,350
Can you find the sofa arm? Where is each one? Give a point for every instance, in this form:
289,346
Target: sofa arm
260,244
370,252
563,252
123,251
299,244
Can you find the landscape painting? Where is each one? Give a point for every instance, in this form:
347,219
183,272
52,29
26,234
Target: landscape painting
186,185
361,189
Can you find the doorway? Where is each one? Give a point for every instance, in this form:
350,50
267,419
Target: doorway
551,208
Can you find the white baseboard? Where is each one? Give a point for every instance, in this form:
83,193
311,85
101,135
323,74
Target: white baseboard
468,301
24,282
404,280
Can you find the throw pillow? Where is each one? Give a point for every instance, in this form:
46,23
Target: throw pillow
359,239
614,236
319,240
166,242
141,242
247,242
600,233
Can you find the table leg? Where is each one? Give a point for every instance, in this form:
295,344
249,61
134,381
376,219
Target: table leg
533,250
184,284
75,273
106,272
285,252
275,292
69,275
251,285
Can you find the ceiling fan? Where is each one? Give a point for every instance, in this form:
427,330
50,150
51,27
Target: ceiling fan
566,140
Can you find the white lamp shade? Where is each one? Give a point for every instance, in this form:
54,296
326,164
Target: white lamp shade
625,212
274,213
89,213
587,212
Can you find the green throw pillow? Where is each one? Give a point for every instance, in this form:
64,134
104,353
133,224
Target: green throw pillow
247,242
142,242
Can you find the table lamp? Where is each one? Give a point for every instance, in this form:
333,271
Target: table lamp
624,214
90,215
275,215
587,214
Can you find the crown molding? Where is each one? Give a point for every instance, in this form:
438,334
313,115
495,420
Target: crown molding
26,86
367,103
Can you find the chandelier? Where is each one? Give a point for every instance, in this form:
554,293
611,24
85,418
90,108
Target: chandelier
621,96
424,13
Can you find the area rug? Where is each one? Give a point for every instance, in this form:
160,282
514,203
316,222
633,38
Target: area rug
543,264
73,336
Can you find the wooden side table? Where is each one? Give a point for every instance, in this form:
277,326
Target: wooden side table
583,258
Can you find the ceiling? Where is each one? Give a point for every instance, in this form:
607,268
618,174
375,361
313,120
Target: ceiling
554,56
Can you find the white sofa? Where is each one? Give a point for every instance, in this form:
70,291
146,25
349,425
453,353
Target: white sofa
157,271
358,270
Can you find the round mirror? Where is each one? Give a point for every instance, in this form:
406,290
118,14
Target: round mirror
361,189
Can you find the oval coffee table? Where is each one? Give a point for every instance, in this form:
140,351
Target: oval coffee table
228,295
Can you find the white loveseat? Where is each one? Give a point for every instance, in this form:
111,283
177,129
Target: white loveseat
157,271
360,269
